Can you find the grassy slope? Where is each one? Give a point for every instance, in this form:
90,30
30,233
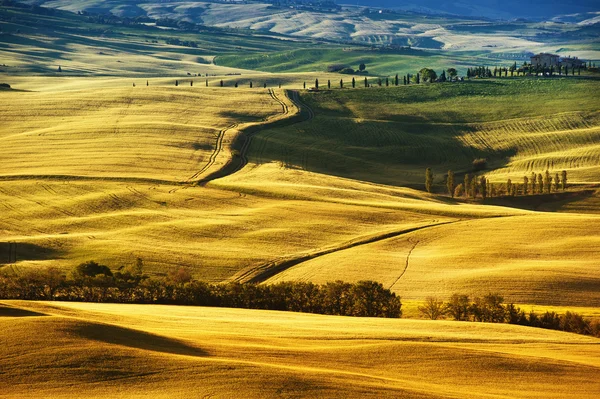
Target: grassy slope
108,212
36,44
391,135
166,351
163,133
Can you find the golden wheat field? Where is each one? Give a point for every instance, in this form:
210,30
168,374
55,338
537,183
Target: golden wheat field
101,350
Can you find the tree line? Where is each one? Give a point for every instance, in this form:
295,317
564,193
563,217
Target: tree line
474,186
492,309
92,282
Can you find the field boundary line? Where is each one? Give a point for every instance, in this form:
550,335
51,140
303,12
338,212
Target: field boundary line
262,272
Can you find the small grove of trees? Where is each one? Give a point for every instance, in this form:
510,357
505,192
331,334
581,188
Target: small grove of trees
474,186
92,282
491,308
428,180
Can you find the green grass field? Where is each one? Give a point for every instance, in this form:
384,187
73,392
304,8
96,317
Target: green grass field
390,135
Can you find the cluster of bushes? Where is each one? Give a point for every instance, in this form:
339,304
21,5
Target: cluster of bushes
91,282
491,308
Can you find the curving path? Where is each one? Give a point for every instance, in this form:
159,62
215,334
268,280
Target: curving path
231,152
262,272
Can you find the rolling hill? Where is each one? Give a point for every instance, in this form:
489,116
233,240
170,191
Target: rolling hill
95,350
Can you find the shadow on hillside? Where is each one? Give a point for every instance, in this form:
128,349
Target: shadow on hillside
27,251
131,338
10,311
543,202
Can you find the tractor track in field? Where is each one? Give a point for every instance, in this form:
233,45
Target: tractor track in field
410,251
262,272
240,144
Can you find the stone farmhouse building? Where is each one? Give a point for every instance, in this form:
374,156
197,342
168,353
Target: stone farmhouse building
552,60
545,60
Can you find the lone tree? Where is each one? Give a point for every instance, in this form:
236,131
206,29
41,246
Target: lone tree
317,84
59,69
250,84
329,84
433,308
366,82
428,180
353,82
176,83
450,183
362,67
147,83
341,83
265,85
206,83
191,83
221,83
564,180
427,74
305,85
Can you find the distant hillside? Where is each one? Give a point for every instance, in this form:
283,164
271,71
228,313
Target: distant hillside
533,9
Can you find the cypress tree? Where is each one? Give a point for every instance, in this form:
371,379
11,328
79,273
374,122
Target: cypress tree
418,78
405,81
250,84
265,85
353,82
450,183
329,84
509,186
547,182
483,184
221,82
387,82
428,180
540,180
397,81
317,84
556,182
147,84
467,184
564,180
379,82
533,185
366,82
474,187
236,84
176,83
191,83
206,84
525,184
341,83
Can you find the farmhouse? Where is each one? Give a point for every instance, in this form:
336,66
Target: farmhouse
545,60
573,62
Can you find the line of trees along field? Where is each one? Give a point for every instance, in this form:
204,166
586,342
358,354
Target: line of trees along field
91,282
428,75
492,309
474,185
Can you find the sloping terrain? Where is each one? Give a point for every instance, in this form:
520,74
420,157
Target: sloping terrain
390,135
99,350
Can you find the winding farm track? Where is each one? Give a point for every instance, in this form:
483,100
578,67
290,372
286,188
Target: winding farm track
235,157
262,272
